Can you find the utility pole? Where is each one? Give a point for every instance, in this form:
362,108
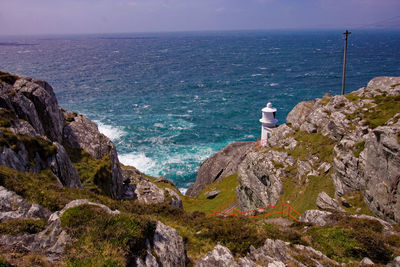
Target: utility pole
346,33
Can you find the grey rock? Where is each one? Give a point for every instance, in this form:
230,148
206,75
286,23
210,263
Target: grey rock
169,246
382,168
259,181
148,193
276,252
167,250
325,202
213,194
79,202
83,133
299,113
396,262
280,136
220,256
46,106
176,200
62,167
367,261
13,206
316,217
220,165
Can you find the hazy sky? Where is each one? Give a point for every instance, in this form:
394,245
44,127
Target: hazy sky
107,16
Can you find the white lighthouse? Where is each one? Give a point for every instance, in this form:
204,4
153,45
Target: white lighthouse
268,122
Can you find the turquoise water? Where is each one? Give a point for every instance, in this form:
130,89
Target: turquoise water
170,100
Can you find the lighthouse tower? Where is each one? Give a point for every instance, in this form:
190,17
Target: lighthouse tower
268,122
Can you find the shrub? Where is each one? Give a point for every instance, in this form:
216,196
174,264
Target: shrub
101,235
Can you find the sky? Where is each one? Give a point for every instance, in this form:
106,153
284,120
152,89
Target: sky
124,16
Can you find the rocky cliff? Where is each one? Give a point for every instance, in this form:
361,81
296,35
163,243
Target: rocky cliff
339,144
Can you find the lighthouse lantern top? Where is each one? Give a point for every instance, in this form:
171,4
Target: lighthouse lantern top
269,108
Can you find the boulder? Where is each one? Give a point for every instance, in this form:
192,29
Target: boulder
13,206
317,217
325,202
366,261
260,179
220,165
168,249
220,256
299,113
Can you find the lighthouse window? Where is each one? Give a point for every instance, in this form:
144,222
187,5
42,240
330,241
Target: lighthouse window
274,114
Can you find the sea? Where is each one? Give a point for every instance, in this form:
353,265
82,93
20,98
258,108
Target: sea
171,100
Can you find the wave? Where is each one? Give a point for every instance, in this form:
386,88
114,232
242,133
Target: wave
140,161
113,132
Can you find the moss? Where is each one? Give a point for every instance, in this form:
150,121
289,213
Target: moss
113,238
17,226
7,78
359,148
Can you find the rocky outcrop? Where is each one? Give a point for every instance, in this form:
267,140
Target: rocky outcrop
325,202
272,253
168,249
260,181
13,206
52,240
82,133
220,165
33,135
219,256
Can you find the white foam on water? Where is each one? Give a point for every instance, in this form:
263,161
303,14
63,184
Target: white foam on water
138,160
274,84
112,132
182,190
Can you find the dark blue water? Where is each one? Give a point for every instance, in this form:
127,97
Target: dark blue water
171,100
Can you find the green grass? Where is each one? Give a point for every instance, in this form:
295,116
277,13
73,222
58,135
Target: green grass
386,107
95,174
16,226
353,97
337,243
358,206
313,144
303,196
111,238
44,189
227,196
359,148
